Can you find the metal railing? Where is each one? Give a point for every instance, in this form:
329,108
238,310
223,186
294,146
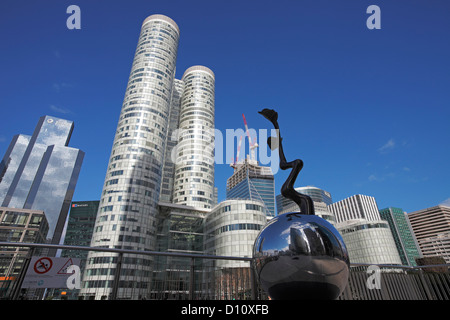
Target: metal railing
121,252
389,282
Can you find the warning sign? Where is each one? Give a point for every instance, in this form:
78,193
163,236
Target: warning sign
43,265
48,272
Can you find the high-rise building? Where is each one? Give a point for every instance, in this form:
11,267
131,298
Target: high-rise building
161,154
368,238
253,182
431,226
80,227
194,166
40,173
404,237
321,199
355,207
18,225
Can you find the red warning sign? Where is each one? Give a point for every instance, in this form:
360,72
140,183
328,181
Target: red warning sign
43,265
64,268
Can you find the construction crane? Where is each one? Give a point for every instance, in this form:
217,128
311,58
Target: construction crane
234,162
252,145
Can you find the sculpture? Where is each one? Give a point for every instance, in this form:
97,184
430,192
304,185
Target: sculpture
299,255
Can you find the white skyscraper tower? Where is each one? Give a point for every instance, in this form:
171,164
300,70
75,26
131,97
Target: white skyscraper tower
194,169
141,172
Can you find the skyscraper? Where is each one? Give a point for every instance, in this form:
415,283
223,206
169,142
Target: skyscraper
194,168
403,235
431,227
253,182
356,207
161,137
40,173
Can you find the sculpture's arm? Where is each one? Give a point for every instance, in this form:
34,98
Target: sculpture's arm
287,190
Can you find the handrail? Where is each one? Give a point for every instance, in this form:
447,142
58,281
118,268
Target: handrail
185,255
144,252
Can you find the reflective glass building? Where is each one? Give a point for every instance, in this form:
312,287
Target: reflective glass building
40,172
253,182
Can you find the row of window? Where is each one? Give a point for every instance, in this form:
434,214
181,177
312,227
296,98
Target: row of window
237,226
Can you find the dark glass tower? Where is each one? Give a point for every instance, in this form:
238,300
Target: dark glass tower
403,235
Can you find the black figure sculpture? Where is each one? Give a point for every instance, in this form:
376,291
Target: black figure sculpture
287,190
299,255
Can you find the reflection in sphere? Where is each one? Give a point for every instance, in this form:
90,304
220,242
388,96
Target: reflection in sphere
301,257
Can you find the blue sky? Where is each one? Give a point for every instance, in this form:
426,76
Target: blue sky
366,110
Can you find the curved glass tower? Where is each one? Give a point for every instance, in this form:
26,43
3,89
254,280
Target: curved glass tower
194,168
128,206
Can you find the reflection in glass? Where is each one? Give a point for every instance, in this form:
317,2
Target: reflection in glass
40,172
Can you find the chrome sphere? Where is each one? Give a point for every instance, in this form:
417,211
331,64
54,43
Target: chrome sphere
301,257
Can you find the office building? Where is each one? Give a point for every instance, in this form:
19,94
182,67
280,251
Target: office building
80,226
18,225
367,237
438,246
321,199
431,227
404,237
369,242
355,207
179,230
316,194
79,229
159,154
253,182
40,172
230,230
194,166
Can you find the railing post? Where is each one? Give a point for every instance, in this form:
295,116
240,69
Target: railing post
253,280
117,277
16,291
192,279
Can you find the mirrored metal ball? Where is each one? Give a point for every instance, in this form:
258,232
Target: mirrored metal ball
301,257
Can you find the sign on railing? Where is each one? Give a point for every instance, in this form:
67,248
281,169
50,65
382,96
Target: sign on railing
51,272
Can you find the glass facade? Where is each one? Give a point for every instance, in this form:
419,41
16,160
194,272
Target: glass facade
40,172
80,226
403,235
253,182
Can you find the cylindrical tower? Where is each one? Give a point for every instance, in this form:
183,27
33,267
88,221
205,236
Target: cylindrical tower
194,167
128,206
